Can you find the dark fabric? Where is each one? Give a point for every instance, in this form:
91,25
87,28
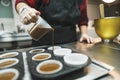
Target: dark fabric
62,12
82,7
62,15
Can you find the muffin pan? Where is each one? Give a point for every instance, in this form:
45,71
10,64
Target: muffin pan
65,69
11,62
42,62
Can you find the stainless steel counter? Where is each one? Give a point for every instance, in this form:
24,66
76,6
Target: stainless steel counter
105,61
108,53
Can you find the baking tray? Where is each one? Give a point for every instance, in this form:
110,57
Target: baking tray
19,66
67,69
95,70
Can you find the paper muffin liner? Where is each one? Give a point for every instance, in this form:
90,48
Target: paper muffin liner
9,55
42,56
49,67
7,64
35,51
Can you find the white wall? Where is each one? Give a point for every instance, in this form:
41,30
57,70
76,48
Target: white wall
8,23
93,11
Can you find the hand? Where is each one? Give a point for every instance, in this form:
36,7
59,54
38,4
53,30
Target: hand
28,14
87,38
83,46
117,39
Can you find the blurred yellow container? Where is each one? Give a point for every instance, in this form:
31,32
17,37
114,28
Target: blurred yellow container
108,27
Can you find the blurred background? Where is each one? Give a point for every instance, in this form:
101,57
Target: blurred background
10,21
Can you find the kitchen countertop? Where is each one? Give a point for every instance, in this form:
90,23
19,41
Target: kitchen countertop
108,53
107,56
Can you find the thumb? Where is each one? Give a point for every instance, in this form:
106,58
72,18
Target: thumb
81,39
37,13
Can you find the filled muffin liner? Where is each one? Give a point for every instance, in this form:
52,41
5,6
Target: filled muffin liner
10,70
18,66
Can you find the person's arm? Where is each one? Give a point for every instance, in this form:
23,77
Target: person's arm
83,23
84,18
25,9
